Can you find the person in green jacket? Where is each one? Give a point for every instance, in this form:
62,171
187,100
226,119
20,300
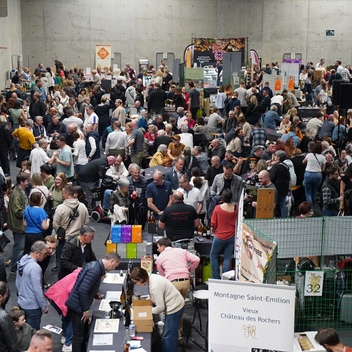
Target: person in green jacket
24,331
17,203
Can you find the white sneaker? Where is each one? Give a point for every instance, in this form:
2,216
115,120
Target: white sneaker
67,348
63,340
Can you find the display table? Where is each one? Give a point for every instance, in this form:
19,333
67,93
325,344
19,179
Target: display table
120,335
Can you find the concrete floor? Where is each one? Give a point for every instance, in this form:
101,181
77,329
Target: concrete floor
102,230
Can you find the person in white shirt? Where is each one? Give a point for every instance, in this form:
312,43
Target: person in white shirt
191,194
116,142
118,169
214,120
186,137
79,151
38,156
92,118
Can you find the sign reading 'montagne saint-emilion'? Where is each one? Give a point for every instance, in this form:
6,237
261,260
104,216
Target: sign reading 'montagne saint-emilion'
248,317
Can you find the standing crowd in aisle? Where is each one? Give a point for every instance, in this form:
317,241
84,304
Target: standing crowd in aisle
66,134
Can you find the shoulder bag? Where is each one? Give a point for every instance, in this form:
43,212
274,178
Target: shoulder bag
61,232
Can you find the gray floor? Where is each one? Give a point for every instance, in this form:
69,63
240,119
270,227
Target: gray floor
102,230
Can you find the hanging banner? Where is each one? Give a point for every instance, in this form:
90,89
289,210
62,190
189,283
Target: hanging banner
207,51
254,312
103,56
255,255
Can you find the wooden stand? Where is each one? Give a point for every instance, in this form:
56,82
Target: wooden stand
265,203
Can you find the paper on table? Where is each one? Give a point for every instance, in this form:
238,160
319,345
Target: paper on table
113,295
107,325
114,278
104,305
136,350
102,339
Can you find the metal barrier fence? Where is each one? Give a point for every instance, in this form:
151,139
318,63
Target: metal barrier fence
327,241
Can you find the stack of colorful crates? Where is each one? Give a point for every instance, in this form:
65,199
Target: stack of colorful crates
126,240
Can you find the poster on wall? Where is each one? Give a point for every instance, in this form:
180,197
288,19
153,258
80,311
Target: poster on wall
254,312
207,51
103,56
255,255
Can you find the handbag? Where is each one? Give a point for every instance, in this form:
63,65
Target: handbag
348,193
61,232
305,264
3,241
341,213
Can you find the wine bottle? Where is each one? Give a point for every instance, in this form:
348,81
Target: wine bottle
208,231
126,341
200,229
123,296
204,229
152,218
148,216
127,315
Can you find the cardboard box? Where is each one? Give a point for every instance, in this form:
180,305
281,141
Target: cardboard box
126,234
147,263
141,249
110,247
116,233
121,250
136,233
142,315
131,250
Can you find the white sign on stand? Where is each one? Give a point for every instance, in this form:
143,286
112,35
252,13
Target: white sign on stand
242,317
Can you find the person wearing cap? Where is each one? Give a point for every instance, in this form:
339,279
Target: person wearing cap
256,154
175,148
116,141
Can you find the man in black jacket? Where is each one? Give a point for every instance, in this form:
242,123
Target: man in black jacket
37,107
156,100
82,295
72,256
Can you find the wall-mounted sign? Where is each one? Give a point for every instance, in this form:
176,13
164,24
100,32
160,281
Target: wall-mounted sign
330,32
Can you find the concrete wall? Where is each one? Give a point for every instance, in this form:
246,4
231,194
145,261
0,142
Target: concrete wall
10,37
138,29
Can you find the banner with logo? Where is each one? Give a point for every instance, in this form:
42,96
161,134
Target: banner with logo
207,51
255,255
247,317
103,55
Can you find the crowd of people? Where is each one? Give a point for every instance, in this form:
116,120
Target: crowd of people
66,133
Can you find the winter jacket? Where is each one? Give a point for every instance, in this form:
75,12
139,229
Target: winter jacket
59,292
16,208
219,183
24,336
62,217
29,283
72,256
8,338
86,287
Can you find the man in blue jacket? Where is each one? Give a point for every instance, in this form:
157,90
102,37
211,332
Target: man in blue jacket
82,296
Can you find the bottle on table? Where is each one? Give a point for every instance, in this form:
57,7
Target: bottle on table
132,330
208,235
200,229
126,341
204,229
127,315
123,296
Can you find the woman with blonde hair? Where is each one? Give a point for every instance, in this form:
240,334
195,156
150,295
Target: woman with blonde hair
168,130
159,78
56,189
38,186
253,112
